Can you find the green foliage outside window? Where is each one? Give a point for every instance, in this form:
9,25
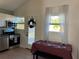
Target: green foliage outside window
55,19
55,24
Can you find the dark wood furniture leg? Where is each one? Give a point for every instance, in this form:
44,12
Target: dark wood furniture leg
34,56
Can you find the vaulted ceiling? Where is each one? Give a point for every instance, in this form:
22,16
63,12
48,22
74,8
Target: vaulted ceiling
11,5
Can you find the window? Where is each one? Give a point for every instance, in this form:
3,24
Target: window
56,23
19,26
20,23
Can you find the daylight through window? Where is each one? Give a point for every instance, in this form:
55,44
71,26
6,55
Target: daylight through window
56,23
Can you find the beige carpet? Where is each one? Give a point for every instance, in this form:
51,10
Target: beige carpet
17,53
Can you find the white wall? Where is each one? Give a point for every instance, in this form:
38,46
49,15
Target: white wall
34,8
31,8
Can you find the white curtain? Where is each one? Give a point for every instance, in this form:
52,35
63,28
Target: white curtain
57,36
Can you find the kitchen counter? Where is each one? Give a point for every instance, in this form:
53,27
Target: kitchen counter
13,39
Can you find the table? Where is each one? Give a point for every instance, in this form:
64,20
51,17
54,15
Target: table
63,51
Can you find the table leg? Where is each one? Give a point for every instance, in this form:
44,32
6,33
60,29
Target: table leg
36,56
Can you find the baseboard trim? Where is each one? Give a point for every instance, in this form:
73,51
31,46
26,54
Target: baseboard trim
28,49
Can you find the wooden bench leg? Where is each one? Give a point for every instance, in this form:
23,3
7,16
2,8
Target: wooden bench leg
34,57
